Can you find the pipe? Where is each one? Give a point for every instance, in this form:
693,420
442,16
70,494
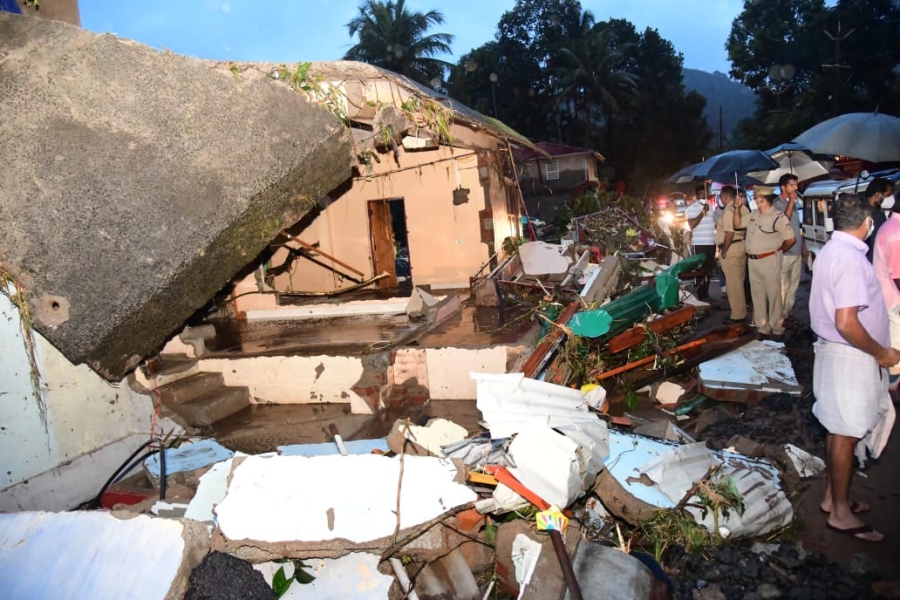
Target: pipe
403,579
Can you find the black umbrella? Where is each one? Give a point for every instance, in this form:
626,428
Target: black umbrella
730,166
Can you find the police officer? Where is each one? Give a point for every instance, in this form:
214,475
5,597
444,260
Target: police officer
768,234
732,254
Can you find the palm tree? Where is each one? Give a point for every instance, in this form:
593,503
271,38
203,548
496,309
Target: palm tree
590,77
392,37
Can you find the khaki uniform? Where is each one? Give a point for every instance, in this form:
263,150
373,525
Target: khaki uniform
765,234
734,264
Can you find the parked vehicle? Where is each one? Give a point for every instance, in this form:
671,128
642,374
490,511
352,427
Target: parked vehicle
817,198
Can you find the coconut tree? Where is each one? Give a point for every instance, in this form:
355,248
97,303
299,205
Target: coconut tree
397,39
590,77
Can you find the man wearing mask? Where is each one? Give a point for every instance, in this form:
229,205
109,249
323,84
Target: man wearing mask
768,235
703,237
792,261
847,312
878,189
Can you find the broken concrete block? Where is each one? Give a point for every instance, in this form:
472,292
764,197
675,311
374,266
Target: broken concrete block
435,434
97,556
352,577
805,464
605,572
420,304
197,336
149,191
259,519
448,578
749,373
744,445
546,579
668,392
543,260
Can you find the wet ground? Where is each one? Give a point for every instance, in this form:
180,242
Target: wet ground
807,561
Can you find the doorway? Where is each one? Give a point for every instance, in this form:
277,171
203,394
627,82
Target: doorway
390,244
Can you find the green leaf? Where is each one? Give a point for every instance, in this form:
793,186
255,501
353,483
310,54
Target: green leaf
280,583
300,575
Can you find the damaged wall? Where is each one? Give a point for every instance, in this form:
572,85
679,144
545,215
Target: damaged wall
445,245
92,425
138,182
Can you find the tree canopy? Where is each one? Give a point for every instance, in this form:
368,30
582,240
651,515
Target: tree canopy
397,39
554,73
809,62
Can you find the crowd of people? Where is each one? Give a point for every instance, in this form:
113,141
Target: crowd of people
854,309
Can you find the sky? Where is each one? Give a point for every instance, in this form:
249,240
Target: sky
312,30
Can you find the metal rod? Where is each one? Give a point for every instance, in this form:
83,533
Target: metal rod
328,256
559,545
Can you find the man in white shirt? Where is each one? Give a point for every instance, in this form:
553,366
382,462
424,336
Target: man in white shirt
701,220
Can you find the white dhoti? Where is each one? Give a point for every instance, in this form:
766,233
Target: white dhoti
852,398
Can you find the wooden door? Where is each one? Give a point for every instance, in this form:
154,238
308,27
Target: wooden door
382,239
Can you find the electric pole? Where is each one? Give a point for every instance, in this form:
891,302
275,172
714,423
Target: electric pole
837,66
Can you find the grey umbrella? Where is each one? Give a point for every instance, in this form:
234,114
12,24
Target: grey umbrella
868,136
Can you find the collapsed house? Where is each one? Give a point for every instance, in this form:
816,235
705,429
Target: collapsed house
129,207
552,174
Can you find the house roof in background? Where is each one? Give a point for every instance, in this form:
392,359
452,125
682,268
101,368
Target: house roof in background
553,150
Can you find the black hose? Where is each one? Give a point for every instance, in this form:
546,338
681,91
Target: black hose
129,464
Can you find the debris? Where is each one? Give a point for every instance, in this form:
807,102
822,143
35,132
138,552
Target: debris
634,336
448,578
357,508
611,573
666,430
435,434
224,577
648,360
338,440
354,576
406,585
518,544
543,260
330,449
603,281
749,373
668,392
558,467
210,491
510,400
186,457
95,555
525,553
627,488
804,463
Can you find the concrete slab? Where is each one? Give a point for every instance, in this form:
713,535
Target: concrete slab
96,556
146,185
351,577
540,259
749,373
273,507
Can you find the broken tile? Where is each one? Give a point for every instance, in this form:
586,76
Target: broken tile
435,434
668,392
331,449
97,556
804,463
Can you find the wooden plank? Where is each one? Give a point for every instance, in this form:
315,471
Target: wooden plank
646,361
550,339
382,240
636,335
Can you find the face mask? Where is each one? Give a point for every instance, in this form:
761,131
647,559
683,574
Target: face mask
871,229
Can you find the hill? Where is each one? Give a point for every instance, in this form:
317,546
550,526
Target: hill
737,100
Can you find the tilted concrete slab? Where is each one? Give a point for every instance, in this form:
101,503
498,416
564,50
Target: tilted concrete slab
137,183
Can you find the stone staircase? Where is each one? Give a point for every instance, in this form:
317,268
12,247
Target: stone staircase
196,398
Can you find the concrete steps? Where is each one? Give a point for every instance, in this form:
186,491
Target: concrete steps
199,399
214,405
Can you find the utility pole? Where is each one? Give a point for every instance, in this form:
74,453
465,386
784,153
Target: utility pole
837,66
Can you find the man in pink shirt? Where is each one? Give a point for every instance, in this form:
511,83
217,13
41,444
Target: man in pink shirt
886,261
850,380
